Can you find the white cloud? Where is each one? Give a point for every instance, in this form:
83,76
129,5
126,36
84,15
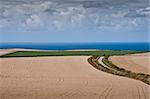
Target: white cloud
33,20
62,16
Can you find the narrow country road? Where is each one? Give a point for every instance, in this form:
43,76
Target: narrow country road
110,68
100,61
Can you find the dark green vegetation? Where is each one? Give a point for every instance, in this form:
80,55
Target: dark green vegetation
66,53
113,69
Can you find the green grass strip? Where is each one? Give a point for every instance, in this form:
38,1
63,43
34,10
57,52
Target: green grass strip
66,53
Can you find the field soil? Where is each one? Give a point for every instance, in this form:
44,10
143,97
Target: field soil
64,77
135,62
6,51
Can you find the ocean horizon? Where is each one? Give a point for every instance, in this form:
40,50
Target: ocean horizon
78,46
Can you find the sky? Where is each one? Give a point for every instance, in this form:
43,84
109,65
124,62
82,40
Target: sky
74,21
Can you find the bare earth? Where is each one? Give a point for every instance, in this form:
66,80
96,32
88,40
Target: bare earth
6,51
64,77
135,62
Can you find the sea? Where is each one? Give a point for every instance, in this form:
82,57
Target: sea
79,46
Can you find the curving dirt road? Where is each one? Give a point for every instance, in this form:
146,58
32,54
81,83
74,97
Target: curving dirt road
65,77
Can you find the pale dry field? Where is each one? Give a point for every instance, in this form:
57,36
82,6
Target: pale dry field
64,77
135,62
6,51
